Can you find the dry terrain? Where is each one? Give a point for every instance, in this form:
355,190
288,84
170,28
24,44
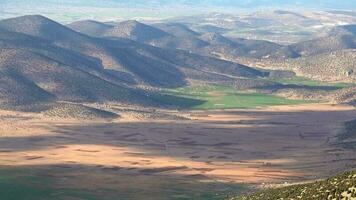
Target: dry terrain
271,144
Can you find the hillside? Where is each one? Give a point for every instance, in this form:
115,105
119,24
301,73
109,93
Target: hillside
77,111
52,63
179,36
176,29
49,76
128,61
134,30
337,65
339,38
90,27
339,187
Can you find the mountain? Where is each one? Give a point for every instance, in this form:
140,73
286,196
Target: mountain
61,36
176,29
337,65
125,59
39,78
340,37
50,62
202,4
90,27
179,36
134,30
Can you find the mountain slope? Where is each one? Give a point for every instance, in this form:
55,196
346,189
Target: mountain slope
89,27
126,61
134,30
337,65
64,82
179,36
338,187
176,29
339,38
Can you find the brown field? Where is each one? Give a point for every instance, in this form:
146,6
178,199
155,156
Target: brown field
274,145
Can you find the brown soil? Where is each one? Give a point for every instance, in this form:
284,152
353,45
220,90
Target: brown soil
275,144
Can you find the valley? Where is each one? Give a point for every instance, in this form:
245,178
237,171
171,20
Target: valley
220,150
215,106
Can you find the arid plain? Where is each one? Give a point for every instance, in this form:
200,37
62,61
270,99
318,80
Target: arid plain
240,146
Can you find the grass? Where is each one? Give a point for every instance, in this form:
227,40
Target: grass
222,97
298,80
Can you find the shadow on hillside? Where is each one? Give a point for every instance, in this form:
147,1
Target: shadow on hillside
174,101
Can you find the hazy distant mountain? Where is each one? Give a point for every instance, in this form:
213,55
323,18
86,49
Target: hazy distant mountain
134,30
90,27
341,37
179,36
48,62
211,3
177,29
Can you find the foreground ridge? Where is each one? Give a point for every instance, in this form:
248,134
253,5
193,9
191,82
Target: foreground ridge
340,187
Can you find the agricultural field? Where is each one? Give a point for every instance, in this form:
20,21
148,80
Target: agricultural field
304,81
223,97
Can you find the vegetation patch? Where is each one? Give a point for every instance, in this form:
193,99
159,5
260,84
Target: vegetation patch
224,97
304,81
341,187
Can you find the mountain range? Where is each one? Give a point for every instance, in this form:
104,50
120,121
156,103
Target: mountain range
325,4
43,62
51,62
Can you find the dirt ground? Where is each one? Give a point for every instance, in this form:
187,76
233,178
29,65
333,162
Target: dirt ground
265,145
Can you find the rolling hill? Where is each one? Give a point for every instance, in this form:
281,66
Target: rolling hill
124,58
134,30
176,29
338,187
90,27
179,36
339,38
53,63
338,65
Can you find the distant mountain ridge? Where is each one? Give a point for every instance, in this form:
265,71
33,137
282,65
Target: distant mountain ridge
212,3
53,62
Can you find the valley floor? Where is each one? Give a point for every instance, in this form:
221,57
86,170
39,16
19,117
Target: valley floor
214,153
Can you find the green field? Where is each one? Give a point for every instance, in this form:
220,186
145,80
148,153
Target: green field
220,97
298,80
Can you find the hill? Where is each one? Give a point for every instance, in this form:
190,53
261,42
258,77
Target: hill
334,66
126,60
134,30
339,38
77,111
338,187
44,77
52,63
176,29
179,36
90,27
346,95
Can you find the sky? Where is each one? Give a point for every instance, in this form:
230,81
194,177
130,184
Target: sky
69,10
